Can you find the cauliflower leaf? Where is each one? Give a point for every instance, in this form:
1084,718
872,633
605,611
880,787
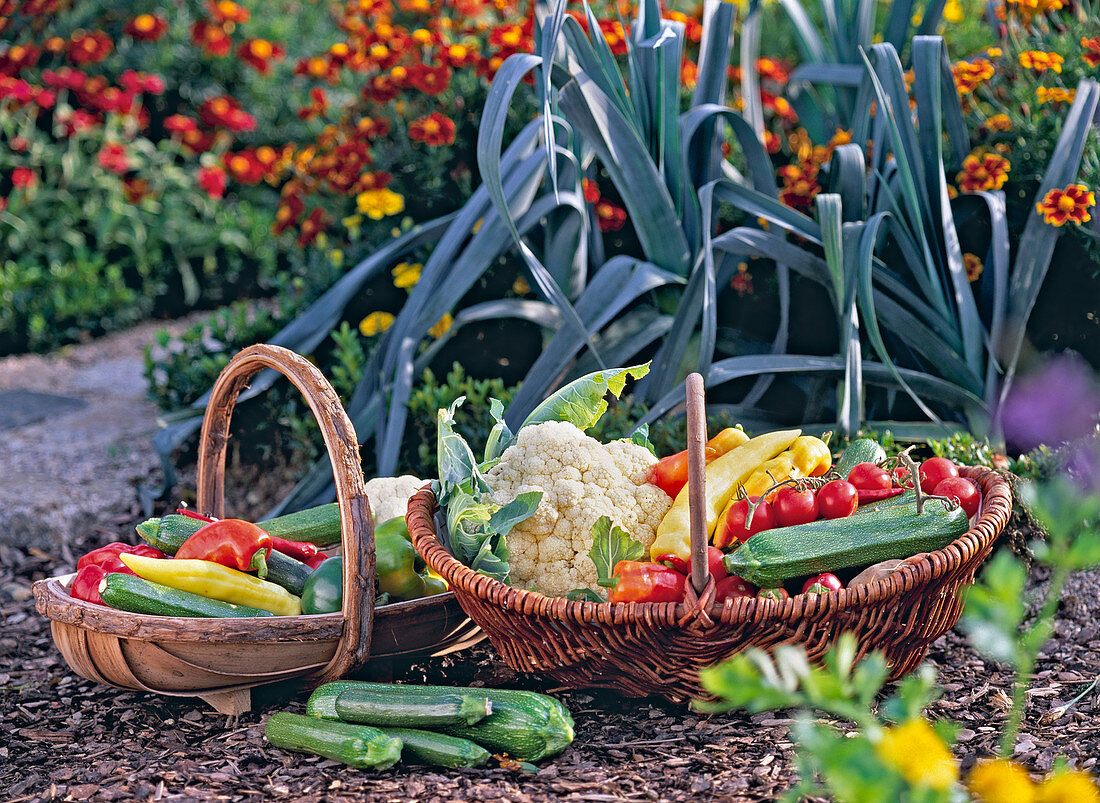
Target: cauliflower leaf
611,544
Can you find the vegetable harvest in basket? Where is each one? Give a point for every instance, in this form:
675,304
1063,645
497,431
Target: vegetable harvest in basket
550,509
233,568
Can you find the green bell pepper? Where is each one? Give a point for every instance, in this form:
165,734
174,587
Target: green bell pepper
324,588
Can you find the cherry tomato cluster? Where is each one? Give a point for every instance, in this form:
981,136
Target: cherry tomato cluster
791,505
940,476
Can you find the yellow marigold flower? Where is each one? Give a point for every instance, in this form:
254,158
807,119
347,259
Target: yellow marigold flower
1055,94
986,172
1041,61
994,52
1000,781
406,274
379,203
953,11
521,286
375,324
917,752
999,122
973,265
442,326
1071,204
969,75
1070,786
336,257
1029,8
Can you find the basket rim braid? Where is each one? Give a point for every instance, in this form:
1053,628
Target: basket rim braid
658,648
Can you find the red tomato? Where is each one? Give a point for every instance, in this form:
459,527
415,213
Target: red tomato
837,499
902,477
773,593
671,473
762,519
825,582
962,491
792,506
715,564
732,587
933,471
869,477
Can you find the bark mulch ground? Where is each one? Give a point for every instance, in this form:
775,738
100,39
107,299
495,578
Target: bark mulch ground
66,738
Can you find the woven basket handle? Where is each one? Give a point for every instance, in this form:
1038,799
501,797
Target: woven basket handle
356,524
697,494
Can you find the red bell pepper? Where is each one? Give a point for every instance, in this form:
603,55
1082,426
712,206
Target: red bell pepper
85,585
235,543
109,555
876,494
299,550
646,582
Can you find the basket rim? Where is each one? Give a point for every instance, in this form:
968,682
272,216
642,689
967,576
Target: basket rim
919,569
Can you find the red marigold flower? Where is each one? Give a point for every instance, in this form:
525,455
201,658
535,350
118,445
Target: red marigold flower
775,70
1092,51
689,73
180,124
213,39
89,48
311,227
45,98
244,167
226,112
742,281
370,128
614,35
973,265
318,104
22,178
800,185
609,216
459,55
212,179
16,88
430,80
434,130
591,190
318,67
142,83
969,75
780,106
228,11
19,58
986,172
1071,204
38,8
113,157
259,53
135,189
77,120
197,141
110,99
772,143
65,78
146,27
288,213
693,29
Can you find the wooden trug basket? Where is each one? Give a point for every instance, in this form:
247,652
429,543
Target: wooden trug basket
220,660
640,649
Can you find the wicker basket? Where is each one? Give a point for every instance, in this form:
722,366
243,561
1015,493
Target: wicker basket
219,660
658,648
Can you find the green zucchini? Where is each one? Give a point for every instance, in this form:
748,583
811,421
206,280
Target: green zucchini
772,556
437,749
861,450
322,702
316,525
129,593
906,498
369,707
358,745
168,534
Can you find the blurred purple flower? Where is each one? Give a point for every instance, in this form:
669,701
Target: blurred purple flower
1056,404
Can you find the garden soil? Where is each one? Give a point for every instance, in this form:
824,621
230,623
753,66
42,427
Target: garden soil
67,738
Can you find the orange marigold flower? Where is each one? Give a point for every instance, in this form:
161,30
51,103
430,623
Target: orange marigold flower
1054,94
1092,51
986,172
780,106
799,185
311,227
969,75
1069,204
973,265
228,11
38,8
999,122
113,157
590,190
1031,8
146,27
693,29
435,130
775,70
459,55
19,58
430,80
1041,61
689,74
609,216
213,39
244,167
226,112
259,53
89,48
180,124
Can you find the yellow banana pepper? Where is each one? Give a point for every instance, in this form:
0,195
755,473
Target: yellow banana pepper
807,457
209,579
723,477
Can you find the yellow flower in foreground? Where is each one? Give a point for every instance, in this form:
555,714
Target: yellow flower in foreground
917,752
442,326
973,265
1070,786
375,324
379,203
1055,94
953,11
1001,781
1072,203
1041,61
406,274
999,122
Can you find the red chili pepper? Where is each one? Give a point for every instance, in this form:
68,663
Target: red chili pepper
299,550
85,585
193,515
316,560
646,582
674,562
874,495
235,543
110,553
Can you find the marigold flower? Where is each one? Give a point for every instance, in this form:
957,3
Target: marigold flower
288,213
973,265
693,29
22,178
89,48
76,121
800,185
430,80
777,71
376,323
213,39
986,172
433,130
590,190
142,83
1001,781
442,326
459,55
953,11
999,122
259,53
146,27
1041,61
212,179
1092,51
311,227
38,8
19,58
610,217
379,203
969,75
1032,8
244,167
228,11
226,112
406,274
689,73
742,281
1054,94
180,124
64,78
113,157
1070,204
318,104
1068,786
916,751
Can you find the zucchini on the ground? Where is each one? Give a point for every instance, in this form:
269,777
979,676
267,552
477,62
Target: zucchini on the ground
358,745
438,749
383,708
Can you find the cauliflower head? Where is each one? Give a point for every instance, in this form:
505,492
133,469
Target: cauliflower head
581,479
389,496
